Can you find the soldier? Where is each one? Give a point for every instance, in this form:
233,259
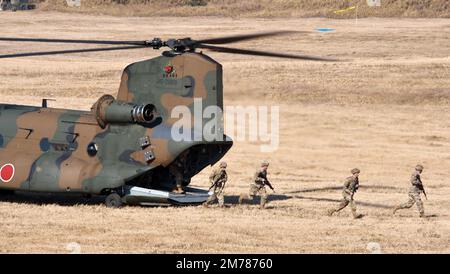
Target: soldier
258,186
351,185
4,4
414,192
177,170
218,178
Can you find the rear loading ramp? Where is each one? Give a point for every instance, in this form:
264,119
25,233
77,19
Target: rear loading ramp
145,196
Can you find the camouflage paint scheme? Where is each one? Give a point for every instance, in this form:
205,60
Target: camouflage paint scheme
48,146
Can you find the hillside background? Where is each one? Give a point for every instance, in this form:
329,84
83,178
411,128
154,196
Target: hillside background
255,8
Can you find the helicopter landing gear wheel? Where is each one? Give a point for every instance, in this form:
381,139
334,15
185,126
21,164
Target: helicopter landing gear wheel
113,200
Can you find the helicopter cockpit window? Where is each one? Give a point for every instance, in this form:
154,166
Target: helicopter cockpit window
92,149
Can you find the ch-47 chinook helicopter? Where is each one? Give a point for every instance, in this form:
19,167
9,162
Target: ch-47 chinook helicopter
123,147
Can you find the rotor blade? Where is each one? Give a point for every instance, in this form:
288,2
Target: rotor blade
39,53
72,41
264,53
237,38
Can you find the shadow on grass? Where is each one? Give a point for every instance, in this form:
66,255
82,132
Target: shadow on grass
234,199
77,199
358,203
64,199
362,187
50,198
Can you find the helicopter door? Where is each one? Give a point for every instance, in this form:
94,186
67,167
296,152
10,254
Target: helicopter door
56,172
45,172
70,175
47,169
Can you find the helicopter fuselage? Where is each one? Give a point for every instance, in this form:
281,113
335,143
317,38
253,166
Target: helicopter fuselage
99,151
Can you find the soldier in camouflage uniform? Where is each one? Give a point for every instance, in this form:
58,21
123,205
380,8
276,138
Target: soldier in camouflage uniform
218,178
177,171
414,192
258,186
351,185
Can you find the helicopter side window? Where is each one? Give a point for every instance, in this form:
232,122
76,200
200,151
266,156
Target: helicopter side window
60,147
92,149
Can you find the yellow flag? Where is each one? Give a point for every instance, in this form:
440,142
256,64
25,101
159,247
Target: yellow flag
344,10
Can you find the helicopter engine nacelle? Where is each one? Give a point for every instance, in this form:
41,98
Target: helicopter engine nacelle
109,111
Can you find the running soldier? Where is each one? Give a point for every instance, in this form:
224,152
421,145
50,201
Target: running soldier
258,186
351,185
414,192
218,178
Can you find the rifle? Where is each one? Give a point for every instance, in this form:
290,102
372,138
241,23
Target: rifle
221,179
356,187
267,183
424,193
262,180
421,187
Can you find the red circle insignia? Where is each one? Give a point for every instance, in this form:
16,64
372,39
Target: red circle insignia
7,172
168,69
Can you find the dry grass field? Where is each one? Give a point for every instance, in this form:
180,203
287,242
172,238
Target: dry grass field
254,8
384,109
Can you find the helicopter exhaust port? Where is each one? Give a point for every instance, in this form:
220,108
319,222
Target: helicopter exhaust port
109,111
143,113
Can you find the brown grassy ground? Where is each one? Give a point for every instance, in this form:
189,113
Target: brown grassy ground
255,8
384,110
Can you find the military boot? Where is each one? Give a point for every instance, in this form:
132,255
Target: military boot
241,199
179,190
221,203
262,205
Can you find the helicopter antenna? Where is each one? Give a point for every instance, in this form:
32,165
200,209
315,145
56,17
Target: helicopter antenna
176,45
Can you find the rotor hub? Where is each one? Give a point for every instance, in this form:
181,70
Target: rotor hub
177,46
